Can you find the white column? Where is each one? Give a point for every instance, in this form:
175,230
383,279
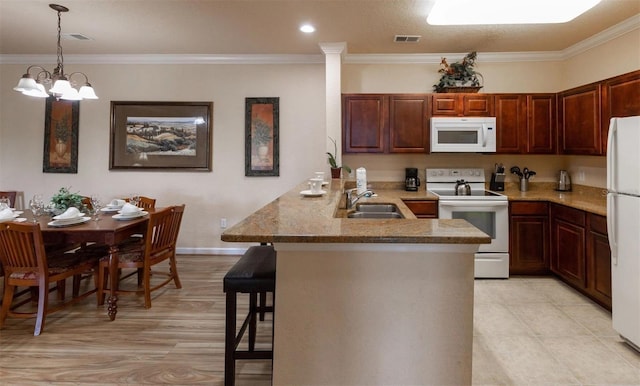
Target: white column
333,85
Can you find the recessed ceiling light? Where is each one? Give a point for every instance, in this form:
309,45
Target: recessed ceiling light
307,28
465,12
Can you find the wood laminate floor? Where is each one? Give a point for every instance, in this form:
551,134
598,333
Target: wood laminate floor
527,331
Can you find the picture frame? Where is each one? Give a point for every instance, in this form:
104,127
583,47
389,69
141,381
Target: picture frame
161,136
60,154
262,137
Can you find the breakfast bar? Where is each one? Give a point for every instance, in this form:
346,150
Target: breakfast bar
363,300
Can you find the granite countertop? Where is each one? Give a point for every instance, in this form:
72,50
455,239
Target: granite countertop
587,198
294,218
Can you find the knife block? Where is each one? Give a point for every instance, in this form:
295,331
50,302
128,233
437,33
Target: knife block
497,182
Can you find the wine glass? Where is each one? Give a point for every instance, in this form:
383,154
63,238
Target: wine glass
97,204
134,200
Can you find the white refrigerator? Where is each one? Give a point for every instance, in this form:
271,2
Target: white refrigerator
623,225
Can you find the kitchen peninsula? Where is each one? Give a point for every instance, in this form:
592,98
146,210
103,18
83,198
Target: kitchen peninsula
366,301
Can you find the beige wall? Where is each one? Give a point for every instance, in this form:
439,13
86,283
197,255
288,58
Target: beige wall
224,192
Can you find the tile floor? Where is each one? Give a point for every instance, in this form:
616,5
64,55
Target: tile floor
538,331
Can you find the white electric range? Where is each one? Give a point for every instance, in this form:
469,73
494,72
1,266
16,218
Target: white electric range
485,209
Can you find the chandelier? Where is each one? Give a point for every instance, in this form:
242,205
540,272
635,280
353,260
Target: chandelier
62,84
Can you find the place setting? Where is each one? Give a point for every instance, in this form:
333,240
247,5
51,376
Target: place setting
71,216
114,206
129,212
8,214
315,186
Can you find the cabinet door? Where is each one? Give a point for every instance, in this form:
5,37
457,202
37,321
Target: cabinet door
598,261
477,105
409,124
510,123
528,238
541,124
364,125
446,104
568,238
579,121
620,98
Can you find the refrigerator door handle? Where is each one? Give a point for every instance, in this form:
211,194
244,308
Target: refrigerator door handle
611,229
613,127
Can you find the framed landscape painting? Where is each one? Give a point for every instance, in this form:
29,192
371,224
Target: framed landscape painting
61,136
161,135
262,153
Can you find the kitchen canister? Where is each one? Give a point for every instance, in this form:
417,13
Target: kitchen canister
361,180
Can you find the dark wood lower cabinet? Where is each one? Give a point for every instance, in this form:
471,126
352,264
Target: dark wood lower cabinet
598,260
528,238
580,253
423,208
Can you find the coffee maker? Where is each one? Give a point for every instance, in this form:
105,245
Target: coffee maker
411,180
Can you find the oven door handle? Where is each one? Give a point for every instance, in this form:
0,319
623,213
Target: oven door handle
474,203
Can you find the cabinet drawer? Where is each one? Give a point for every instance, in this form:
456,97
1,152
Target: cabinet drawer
423,209
570,215
597,223
529,208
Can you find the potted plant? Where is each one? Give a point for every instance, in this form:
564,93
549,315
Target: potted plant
459,76
64,199
261,137
331,157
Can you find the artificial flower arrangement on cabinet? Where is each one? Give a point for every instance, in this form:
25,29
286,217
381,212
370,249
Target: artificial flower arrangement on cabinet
459,76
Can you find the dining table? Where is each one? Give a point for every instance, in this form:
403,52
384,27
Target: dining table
106,230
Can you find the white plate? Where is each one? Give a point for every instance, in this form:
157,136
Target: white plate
18,212
111,209
309,193
325,183
114,207
20,219
121,216
71,220
6,219
58,223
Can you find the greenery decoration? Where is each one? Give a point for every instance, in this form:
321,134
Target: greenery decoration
332,158
458,74
64,199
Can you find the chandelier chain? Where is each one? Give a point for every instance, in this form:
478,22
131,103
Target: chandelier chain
60,56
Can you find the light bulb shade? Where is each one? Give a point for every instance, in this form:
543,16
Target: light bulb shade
60,87
86,92
71,95
39,92
26,83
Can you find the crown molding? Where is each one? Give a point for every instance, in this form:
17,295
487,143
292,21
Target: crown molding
610,33
166,59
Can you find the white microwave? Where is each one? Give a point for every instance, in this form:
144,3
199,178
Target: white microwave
463,134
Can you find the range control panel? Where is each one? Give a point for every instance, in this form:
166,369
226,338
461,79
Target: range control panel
455,174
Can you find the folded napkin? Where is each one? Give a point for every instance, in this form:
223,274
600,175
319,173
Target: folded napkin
129,209
6,213
70,213
117,202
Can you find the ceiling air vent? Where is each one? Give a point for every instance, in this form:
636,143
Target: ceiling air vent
406,38
74,36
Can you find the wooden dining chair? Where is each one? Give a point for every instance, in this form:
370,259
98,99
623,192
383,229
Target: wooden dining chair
11,195
27,264
144,202
159,245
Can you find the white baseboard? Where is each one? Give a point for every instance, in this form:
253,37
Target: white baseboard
210,251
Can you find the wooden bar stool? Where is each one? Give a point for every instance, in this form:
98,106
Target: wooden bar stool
254,273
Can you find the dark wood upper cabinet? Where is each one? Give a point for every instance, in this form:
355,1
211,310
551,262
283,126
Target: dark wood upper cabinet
579,125
511,122
408,123
365,119
541,124
460,105
526,123
620,98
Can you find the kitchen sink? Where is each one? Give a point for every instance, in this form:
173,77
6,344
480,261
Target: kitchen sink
375,215
377,208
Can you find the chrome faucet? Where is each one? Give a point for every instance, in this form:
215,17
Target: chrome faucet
351,199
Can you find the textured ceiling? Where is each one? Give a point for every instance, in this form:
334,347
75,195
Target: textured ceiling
271,27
